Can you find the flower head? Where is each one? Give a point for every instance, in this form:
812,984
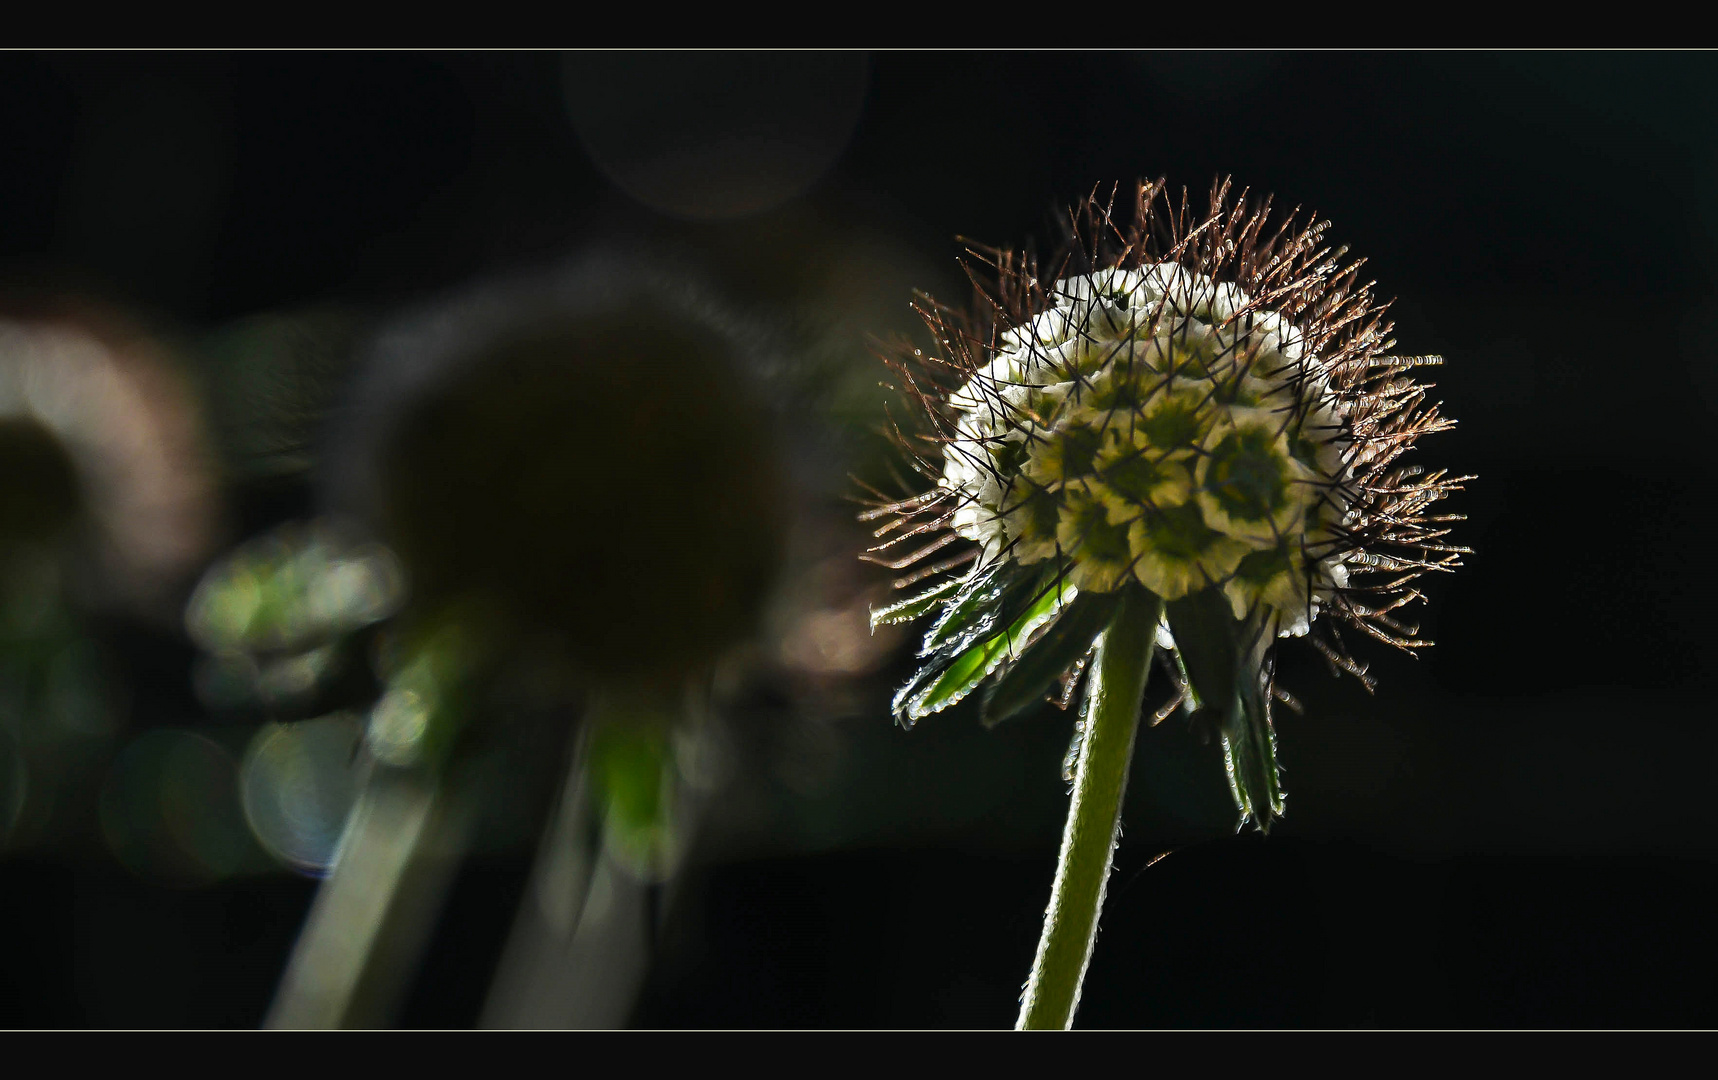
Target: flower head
1202,405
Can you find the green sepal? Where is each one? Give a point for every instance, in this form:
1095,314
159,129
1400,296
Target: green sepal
1222,660
955,670
907,610
1025,682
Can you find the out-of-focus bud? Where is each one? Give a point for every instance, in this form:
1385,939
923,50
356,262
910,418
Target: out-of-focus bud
95,414
41,498
273,616
294,588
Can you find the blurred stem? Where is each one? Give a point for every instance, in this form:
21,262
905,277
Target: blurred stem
580,946
1114,697
405,837
376,908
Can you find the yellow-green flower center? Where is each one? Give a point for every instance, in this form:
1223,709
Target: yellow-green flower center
1247,476
1144,425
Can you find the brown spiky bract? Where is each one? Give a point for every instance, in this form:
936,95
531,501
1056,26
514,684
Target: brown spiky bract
1283,264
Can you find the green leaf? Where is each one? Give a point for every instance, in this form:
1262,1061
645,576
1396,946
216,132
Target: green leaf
971,666
630,761
907,610
627,764
1250,755
990,601
1206,639
967,605
1026,681
1009,592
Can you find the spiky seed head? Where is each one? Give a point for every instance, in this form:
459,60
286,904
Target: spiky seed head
1192,400
1200,403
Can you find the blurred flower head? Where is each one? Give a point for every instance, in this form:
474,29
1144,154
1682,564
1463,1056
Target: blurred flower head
98,427
589,455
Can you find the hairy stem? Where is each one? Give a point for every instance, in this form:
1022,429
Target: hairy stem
1114,696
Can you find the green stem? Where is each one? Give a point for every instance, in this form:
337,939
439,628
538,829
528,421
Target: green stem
1114,695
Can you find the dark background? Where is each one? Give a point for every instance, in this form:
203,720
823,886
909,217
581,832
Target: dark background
1512,832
